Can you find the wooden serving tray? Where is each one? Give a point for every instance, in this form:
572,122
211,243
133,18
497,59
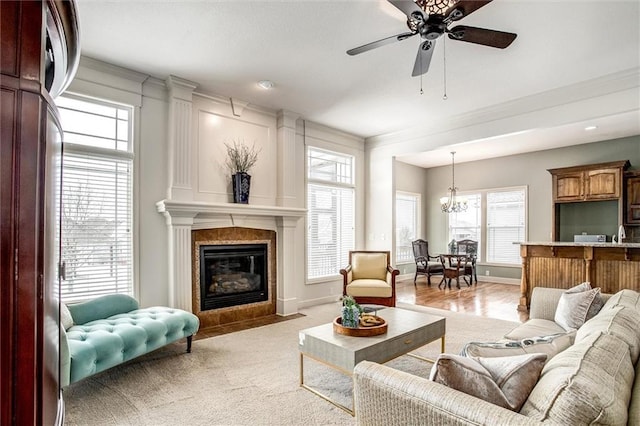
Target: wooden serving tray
376,330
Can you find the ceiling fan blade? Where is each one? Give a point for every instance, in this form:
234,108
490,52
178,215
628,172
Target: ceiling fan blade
423,58
464,8
482,36
378,43
408,7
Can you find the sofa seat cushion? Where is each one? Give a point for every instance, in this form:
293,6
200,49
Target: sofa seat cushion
588,383
533,328
619,321
369,288
549,345
105,343
369,265
503,381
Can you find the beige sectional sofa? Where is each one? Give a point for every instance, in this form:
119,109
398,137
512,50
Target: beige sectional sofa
593,381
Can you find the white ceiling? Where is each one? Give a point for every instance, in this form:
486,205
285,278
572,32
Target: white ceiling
227,46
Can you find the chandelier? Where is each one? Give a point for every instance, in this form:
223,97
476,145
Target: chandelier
453,203
435,7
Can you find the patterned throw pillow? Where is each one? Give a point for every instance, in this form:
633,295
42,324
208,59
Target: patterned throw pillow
503,381
575,304
550,345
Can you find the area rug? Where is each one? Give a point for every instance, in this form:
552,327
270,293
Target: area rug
249,377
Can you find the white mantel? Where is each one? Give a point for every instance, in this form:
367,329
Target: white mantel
184,216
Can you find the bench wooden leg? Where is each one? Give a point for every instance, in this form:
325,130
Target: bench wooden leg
189,339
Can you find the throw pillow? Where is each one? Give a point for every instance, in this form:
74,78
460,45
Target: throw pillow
597,303
572,308
503,381
65,317
550,345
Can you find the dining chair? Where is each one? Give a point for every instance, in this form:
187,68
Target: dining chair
469,248
453,266
425,263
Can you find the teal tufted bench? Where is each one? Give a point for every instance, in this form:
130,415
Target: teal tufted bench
109,330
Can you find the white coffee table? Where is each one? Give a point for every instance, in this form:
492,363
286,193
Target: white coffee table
407,331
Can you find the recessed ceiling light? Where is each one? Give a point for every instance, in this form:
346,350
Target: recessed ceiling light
266,84
590,128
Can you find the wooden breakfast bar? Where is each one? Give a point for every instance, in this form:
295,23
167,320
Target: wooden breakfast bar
610,266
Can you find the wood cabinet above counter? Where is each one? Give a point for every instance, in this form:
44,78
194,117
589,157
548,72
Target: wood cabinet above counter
592,182
588,199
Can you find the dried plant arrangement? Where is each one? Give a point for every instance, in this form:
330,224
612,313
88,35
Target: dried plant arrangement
240,157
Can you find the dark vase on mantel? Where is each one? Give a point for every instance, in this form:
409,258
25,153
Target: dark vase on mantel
241,184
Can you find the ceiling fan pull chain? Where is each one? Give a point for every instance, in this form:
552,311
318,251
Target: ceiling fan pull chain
420,50
444,54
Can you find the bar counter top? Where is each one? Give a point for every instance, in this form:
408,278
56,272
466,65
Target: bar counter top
569,244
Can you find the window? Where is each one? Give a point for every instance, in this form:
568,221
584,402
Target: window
330,212
97,174
467,225
496,217
407,225
505,225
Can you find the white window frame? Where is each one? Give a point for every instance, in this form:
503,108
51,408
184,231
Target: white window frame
124,156
484,228
350,185
407,250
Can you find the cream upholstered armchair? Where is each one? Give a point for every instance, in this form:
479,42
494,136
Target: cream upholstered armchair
369,278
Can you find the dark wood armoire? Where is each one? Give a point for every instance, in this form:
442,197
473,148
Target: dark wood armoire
40,52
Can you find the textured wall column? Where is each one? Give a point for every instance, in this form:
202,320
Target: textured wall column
289,266
288,167
180,144
180,285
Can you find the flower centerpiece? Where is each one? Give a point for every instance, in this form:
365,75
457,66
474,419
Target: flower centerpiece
240,159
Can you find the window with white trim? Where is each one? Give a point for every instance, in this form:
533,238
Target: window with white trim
97,198
407,225
467,225
330,212
495,218
505,225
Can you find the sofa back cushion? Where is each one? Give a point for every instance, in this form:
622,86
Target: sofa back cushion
588,383
626,298
619,321
369,265
102,307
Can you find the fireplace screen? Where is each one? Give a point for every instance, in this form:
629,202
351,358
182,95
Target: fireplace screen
233,274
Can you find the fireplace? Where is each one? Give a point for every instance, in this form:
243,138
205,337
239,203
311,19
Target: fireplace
233,274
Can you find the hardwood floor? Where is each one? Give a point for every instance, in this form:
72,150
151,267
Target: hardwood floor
485,299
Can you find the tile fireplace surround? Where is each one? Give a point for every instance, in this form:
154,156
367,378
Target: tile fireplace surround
225,221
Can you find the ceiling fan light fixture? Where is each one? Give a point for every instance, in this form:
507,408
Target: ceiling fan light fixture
436,7
266,84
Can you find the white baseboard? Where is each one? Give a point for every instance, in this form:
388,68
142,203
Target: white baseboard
499,280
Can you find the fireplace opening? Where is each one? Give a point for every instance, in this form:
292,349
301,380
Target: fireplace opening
233,274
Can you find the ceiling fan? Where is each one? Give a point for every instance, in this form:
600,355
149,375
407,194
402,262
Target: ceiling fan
431,19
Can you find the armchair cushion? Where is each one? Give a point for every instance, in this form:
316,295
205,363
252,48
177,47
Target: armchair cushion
369,288
369,265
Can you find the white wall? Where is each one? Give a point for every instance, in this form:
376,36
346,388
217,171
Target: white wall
278,169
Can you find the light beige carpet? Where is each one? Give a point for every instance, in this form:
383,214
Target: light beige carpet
249,377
